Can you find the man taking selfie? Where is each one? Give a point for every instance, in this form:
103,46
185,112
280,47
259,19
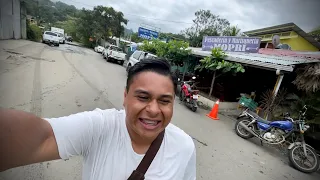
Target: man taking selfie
135,143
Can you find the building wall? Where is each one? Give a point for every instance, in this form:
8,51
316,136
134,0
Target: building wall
300,44
10,19
296,42
6,29
23,22
16,19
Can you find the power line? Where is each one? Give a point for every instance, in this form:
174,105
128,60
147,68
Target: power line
145,17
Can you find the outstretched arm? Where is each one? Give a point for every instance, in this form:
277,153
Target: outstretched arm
25,139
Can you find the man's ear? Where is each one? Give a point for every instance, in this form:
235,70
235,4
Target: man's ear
124,95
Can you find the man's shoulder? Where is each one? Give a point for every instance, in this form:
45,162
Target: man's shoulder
179,137
110,114
108,111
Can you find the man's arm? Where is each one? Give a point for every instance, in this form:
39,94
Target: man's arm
25,139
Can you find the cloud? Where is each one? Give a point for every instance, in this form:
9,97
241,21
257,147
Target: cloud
246,14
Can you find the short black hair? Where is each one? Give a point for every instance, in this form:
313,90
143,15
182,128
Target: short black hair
160,66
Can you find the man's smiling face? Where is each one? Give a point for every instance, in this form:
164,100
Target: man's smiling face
149,104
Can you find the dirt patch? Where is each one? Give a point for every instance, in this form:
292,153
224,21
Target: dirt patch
21,55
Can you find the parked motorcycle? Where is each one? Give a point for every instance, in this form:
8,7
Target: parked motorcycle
188,95
301,155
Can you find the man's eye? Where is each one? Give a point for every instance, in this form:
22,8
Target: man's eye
165,101
143,98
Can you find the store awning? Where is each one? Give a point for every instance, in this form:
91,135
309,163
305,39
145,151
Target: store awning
272,59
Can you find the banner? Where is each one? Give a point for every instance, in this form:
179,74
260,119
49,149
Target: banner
231,43
147,34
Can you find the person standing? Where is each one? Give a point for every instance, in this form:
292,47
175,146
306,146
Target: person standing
112,142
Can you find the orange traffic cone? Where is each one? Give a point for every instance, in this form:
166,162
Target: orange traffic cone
214,112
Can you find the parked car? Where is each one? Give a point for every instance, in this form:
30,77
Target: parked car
99,49
60,34
69,38
50,37
62,38
114,53
138,56
105,49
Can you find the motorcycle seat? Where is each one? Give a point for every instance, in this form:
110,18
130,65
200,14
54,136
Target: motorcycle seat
259,119
195,91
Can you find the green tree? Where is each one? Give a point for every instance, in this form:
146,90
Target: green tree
136,38
46,11
150,46
86,27
33,32
70,27
100,23
216,63
108,22
232,31
176,52
294,103
172,36
117,21
205,24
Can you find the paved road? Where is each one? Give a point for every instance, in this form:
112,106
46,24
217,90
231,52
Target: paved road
57,81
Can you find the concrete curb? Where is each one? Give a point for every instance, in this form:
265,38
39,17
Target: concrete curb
73,44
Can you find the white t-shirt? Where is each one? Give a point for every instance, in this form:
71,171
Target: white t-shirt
101,137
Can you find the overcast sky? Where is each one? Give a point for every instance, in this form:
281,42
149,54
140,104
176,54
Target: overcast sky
176,15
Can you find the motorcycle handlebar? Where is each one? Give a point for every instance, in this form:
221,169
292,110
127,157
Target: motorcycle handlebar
305,110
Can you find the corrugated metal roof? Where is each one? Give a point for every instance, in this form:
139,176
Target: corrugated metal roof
296,54
275,62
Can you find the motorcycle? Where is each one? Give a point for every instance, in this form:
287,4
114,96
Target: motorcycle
189,96
290,131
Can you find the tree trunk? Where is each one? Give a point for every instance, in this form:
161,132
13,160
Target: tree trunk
212,83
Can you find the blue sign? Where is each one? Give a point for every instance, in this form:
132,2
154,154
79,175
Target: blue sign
231,43
147,34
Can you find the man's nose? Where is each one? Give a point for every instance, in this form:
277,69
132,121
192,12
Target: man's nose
153,108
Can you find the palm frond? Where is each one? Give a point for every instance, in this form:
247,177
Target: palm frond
308,77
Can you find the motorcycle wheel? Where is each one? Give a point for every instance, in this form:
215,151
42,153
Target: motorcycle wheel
194,109
181,96
108,59
244,133
296,163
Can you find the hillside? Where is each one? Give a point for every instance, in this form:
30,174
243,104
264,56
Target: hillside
48,11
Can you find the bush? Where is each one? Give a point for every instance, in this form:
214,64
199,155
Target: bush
34,33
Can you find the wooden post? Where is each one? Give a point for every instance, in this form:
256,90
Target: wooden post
212,82
277,85
276,89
